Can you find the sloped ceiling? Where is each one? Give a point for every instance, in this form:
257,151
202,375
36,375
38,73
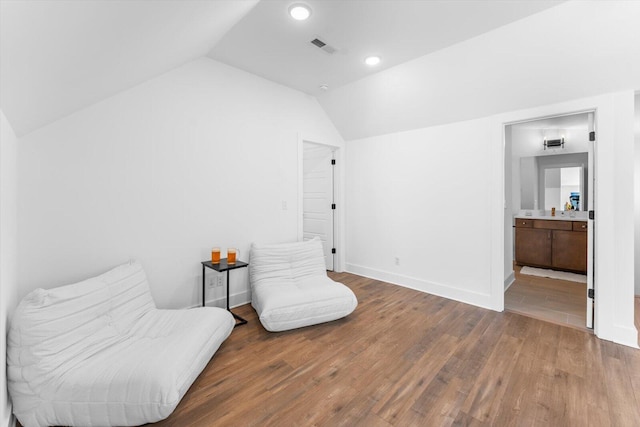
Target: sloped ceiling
57,57
574,50
443,61
268,43
60,56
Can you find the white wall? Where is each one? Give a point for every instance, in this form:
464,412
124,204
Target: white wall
435,198
525,183
614,172
423,196
8,250
202,156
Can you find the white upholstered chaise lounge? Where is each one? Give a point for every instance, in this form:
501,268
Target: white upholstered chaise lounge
290,288
99,352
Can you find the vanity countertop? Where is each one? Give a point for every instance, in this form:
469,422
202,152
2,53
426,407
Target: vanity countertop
560,216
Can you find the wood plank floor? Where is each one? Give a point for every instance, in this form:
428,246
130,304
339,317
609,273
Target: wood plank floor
406,358
553,300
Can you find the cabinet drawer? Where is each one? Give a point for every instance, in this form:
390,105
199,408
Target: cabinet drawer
524,223
580,226
552,224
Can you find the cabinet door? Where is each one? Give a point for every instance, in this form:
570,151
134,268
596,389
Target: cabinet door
533,246
570,250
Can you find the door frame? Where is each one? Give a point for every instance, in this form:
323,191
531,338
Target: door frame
591,260
326,154
338,195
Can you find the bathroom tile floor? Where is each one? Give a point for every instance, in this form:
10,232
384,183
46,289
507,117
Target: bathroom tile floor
557,301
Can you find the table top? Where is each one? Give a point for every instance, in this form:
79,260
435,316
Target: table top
224,266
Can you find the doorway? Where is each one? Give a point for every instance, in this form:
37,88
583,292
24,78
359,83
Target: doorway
549,175
318,197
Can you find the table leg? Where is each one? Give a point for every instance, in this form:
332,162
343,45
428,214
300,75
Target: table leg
203,285
228,291
241,321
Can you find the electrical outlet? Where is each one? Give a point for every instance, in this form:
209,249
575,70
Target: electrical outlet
215,281
397,261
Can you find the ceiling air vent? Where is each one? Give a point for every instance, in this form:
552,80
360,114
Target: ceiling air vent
323,46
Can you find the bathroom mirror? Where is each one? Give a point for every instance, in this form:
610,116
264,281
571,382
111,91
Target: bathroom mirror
555,181
563,188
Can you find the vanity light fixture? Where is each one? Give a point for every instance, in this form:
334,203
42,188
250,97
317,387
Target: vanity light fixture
553,143
372,60
299,11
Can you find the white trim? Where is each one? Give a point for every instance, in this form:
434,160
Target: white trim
339,237
509,281
496,221
445,291
237,299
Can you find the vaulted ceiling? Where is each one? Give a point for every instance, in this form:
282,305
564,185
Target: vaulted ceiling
442,61
57,57
267,42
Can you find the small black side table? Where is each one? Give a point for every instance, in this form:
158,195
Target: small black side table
223,266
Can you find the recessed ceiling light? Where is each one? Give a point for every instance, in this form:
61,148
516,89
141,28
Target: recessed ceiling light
372,60
299,11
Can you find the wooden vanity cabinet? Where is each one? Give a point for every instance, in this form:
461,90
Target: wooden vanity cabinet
533,247
569,250
552,244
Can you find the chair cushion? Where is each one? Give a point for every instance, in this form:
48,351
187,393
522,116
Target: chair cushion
99,353
294,261
290,288
137,378
303,303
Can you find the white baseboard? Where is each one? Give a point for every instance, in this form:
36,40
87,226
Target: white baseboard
241,298
509,280
462,295
237,299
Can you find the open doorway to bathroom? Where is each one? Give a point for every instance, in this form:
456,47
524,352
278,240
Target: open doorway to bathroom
549,170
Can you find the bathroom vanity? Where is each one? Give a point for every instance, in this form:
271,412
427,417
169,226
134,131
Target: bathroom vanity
551,242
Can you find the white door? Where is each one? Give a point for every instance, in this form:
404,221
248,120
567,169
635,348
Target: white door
317,197
591,174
